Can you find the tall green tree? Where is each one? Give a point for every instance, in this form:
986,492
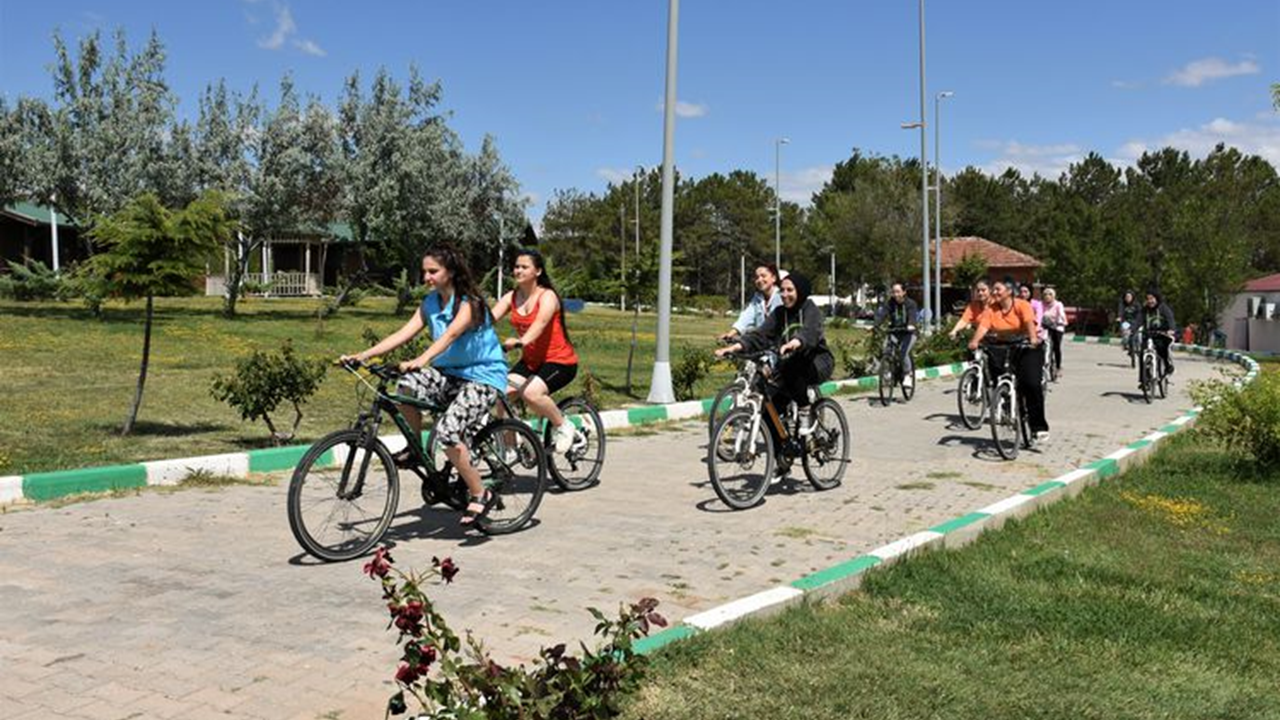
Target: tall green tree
150,251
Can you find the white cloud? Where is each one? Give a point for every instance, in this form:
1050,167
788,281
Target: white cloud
614,175
1049,161
285,29
1252,138
310,47
1199,72
798,186
1125,84
686,109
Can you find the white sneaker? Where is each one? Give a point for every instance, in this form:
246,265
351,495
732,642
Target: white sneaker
563,436
1042,437
510,456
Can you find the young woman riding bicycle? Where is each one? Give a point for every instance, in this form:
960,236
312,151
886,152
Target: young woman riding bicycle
548,361
797,331
463,367
1007,321
766,299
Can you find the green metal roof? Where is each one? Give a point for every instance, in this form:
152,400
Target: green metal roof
36,214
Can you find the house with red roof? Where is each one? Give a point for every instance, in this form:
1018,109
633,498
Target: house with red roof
1252,321
1001,261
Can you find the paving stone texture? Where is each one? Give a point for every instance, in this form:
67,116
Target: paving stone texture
198,604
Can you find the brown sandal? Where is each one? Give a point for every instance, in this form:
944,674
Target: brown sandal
477,508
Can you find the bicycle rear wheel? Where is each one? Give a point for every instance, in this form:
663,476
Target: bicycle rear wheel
971,398
579,468
741,480
908,381
826,450
508,455
1003,414
887,381
342,496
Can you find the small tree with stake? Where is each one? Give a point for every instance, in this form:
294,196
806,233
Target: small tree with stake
151,250
263,381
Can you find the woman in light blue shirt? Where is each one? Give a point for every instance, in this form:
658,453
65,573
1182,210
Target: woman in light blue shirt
761,304
463,369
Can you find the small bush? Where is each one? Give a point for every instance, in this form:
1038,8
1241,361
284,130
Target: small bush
30,281
263,381
1245,419
447,680
938,349
407,351
91,288
694,365
591,388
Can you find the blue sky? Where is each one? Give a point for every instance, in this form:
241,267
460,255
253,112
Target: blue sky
572,90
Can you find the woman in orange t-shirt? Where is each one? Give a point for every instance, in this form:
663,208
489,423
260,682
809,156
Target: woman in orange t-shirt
548,361
973,311
1006,321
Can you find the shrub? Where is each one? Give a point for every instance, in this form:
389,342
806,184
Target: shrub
263,381
938,349
1246,419
853,359
407,351
447,680
694,365
91,288
29,281
590,390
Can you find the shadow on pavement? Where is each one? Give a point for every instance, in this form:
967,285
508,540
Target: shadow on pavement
1132,398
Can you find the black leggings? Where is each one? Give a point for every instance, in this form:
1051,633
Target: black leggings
1028,364
1162,343
1056,336
795,375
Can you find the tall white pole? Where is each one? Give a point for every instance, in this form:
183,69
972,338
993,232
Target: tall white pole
53,224
924,188
833,281
660,389
937,198
501,247
777,200
622,242
742,281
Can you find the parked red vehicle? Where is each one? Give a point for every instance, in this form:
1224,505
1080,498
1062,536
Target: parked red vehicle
1088,321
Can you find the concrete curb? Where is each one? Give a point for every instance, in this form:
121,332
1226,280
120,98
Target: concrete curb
38,487
954,533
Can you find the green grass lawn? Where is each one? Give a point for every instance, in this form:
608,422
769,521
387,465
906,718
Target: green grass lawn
69,378
1153,596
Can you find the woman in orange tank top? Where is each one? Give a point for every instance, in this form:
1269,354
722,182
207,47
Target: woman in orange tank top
548,361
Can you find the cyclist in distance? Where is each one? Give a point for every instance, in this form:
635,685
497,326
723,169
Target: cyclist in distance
548,361
978,303
900,314
797,330
1055,322
1026,293
766,299
1127,315
1008,320
1157,320
462,369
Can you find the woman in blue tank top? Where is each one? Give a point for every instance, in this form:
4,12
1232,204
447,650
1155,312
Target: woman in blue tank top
463,369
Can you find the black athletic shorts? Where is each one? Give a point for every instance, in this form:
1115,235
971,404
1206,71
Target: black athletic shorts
554,375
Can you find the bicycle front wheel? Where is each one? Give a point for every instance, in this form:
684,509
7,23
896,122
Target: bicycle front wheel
508,455
342,496
826,450
579,468
971,398
740,459
725,400
1148,375
1003,413
886,383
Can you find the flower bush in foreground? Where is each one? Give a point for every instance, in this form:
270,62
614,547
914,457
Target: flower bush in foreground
449,678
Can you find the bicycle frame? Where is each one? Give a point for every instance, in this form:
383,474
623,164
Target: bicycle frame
388,403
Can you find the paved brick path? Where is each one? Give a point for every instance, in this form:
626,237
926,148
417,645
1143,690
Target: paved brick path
198,605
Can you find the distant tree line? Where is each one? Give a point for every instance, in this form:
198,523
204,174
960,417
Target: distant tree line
384,160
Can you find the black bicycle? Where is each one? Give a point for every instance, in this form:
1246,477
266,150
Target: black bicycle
893,372
345,491
742,455
578,468
1006,408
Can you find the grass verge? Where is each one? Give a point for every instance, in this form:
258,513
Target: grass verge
1153,596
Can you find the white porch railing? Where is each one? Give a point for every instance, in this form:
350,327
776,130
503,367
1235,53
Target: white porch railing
279,284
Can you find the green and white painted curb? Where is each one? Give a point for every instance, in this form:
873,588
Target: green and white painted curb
957,532
38,487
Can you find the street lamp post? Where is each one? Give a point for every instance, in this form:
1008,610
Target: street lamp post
777,200
622,244
660,388
636,175
833,281
924,186
501,244
937,197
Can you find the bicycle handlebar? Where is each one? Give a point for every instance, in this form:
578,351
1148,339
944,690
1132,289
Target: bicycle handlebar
382,370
